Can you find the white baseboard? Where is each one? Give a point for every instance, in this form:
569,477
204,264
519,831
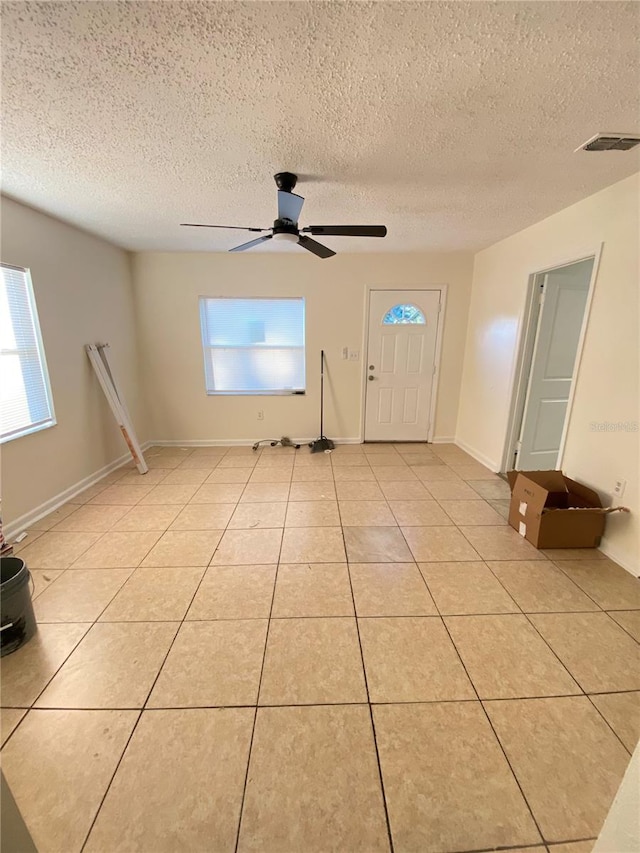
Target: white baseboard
242,442
480,457
442,439
614,555
19,524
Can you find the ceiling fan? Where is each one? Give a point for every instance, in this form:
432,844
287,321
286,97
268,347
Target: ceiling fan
286,228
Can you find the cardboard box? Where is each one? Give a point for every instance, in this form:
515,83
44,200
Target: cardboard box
553,511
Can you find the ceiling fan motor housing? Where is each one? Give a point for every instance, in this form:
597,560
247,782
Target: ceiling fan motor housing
285,181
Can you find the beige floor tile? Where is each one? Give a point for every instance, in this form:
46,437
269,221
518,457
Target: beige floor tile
9,720
376,545
597,652
218,493
573,554
91,519
88,494
622,712
31,536
311,662
238,461
271,475
312,459
183,548
204,463
393,473
411,659
382,460
185,795
436,474
313,589
405,492
229,475
79,595
348,448
234,592
185,477
59,765
113,667
565,757
117,549
390,589
463,588
538,586
325,491
472,512
419,460
271,460
569,847
374,448
629,620
366,514
313,474
203,517
208,453
501,543
330,801
163,495
25,672
312,514
312,545
57,550
212,663
42,578
361,474
501,507
251,516
122,495
609,585
142,519
165,460
452,454
435,544
491,489
410,513
248,547
356,460
362,491
54,518
154,595
432,758
475,472
151,478
505,657
451,490
265,492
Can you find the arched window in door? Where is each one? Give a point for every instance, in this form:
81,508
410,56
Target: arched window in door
404,314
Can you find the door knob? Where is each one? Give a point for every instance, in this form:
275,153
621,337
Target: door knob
371,377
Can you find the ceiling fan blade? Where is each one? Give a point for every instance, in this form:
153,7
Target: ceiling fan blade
234,227
243,246
289,205
315,247
348,230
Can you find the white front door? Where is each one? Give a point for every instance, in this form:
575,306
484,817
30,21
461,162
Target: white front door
403,326
563,298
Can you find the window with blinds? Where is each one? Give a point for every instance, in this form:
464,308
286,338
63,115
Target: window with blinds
25,395
253,346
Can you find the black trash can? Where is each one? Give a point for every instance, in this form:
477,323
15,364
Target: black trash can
18,623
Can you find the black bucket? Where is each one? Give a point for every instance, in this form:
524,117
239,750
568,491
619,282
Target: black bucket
18,623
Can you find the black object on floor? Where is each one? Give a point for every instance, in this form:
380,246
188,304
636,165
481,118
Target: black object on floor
285,441
18,620
322,444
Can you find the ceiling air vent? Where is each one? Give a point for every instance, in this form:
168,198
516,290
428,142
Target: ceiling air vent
610,142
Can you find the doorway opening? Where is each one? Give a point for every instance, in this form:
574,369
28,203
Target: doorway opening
555,326
402,352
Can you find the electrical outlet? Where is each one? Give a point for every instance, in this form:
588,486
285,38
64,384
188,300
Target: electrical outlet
354,355
260,415
619,487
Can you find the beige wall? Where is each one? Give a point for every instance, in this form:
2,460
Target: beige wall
83,294
167,287
607,384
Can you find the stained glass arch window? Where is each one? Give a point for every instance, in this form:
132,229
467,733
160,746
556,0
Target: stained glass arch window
404,314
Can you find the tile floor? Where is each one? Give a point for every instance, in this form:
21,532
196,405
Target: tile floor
287,653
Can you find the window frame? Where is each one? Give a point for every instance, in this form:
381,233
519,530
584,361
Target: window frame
42,358
206,348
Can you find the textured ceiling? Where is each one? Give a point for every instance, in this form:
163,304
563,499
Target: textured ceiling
452,123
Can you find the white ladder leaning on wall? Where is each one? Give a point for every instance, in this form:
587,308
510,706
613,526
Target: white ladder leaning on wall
99,357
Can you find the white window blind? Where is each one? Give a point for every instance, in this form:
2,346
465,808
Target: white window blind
253,346
25,395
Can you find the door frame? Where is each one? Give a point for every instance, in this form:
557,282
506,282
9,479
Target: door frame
529,321
435,381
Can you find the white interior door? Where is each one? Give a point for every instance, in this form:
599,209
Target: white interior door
403,326
563,298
